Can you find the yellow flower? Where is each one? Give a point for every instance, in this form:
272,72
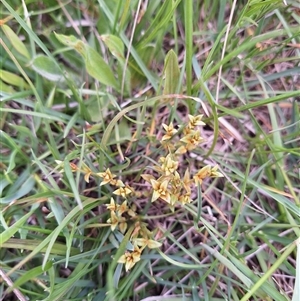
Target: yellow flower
195,120
130,258
88,173
205,172
170,131
137,228
123,227
160,190
122,191
112,206
145,242
132,211
132,191
113,220
214,173
187,130
185,198
122,208
176,182
174,198
117,183
107,176
147,177
181,150
192,140
186,181
169,166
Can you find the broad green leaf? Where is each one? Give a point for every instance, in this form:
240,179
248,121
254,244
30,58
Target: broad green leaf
66,40
97,67
6,88
172,73
116,47
94,63
47,68
127,76
114,44
97,109
13,79
15,41
122,132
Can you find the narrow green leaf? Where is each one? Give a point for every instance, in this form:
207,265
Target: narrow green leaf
15,41
263,280
179,264
22,190
33,273
172,73
72,183
52,275
188,22
8,233
49,241
296,295
160,20
31,245
58,117
4,182
229,265
70,124
12,163
46,67
25,133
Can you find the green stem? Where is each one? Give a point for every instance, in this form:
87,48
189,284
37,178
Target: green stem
188,20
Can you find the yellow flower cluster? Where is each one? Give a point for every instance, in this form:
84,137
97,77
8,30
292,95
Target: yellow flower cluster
121,215
117,212
139,243
169,186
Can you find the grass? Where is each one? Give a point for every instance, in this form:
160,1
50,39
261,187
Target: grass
86,86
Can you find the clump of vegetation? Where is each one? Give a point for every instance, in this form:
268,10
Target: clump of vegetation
168,186
149,149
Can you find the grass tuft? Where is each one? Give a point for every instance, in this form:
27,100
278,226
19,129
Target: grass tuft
149,150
